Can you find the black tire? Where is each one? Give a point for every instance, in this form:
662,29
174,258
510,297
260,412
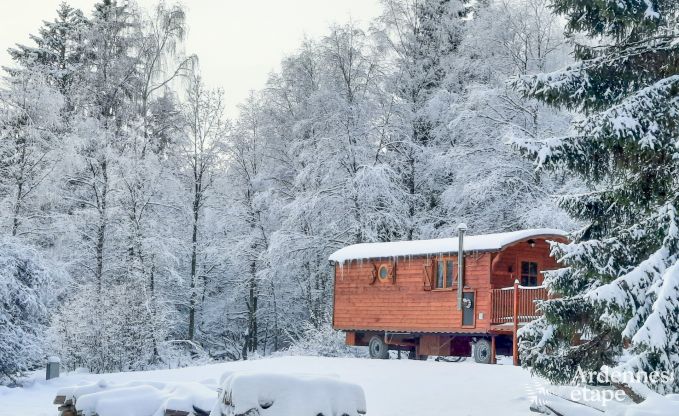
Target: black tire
450,359
377,348
482,351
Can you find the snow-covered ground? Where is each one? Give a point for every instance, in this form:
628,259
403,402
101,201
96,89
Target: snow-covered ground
392,387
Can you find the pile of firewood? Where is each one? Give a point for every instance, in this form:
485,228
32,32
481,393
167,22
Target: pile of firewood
236,394
67,408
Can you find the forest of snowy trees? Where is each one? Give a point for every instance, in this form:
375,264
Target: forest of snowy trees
141,227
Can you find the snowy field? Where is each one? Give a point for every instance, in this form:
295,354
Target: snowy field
392,387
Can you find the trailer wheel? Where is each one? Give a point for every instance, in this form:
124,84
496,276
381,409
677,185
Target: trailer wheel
378,348
482,351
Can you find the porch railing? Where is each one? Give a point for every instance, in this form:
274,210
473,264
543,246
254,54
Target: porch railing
504,300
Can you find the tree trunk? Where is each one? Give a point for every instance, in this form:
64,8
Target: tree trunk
101,229
275,316
194,261
20,189
252,309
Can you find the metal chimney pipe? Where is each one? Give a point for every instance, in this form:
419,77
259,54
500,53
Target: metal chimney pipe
461,228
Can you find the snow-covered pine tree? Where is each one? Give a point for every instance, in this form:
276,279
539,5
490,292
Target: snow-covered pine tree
619,292
59,50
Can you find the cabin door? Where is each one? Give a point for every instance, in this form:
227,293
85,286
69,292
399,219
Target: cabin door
468,307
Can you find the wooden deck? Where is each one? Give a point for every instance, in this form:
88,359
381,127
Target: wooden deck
513,307
503,301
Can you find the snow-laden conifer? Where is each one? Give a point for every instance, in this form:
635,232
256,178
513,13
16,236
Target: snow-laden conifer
617,299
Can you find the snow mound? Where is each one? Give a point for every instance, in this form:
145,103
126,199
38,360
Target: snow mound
654,405
485,242
602,401
257,394
139,398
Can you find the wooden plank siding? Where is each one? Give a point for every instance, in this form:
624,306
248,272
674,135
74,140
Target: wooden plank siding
405,305
506,265
363,302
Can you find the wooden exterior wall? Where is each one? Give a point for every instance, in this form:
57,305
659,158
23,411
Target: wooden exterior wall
404,304
507,263
363,302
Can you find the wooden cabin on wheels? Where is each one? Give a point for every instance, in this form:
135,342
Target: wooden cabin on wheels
416,296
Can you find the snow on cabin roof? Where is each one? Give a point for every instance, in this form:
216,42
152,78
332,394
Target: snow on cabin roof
484,242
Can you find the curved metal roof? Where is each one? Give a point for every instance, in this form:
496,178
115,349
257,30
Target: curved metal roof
484,242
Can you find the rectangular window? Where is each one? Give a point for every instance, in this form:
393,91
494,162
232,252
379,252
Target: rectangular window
440,275
445,273
450,272
529,273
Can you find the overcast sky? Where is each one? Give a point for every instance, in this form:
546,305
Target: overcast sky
239,42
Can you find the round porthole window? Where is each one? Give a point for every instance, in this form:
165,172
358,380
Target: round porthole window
383,272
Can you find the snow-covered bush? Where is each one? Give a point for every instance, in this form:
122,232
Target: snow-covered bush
118,333
323,342
258,394
102,332
29,284
182,353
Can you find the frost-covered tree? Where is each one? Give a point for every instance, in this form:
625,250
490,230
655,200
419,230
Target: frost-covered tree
493,189
247,152
146,162
29,286
420,38
95,182
300,193
205,131
162,62
29,151
617,300
351,145
107,206
59,49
